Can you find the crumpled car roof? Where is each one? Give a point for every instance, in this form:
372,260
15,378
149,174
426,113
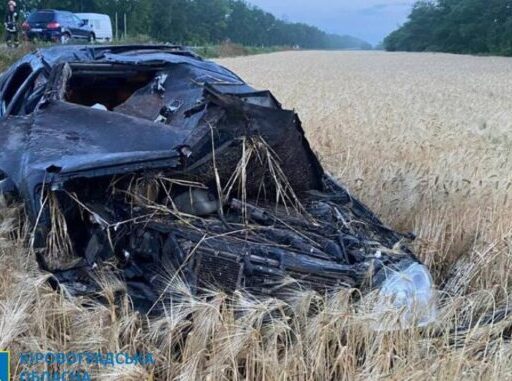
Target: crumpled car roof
47,139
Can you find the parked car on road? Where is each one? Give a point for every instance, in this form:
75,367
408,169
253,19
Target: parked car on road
100,24
58,26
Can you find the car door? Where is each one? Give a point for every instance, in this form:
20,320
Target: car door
80,26
69,24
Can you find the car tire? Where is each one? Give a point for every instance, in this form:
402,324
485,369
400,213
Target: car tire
65,38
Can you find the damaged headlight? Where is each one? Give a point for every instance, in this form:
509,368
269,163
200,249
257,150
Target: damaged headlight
406,299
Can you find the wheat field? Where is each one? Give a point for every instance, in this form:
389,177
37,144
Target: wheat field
425,140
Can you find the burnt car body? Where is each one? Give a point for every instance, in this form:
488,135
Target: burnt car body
148,158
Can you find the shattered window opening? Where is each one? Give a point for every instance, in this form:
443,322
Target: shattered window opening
109,86
21,75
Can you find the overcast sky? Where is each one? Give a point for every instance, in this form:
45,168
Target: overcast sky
371,20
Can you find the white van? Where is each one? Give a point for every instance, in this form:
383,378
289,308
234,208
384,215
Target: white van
100,24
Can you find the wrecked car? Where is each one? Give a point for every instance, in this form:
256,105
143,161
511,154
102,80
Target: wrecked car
154,163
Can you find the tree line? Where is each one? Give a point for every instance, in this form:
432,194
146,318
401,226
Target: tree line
456,26
197,22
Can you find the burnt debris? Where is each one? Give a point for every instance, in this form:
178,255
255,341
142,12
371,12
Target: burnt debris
152,163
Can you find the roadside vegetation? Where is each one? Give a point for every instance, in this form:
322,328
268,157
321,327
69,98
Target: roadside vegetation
9,55
424,140
234,50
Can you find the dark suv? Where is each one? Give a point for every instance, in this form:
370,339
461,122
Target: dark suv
58,26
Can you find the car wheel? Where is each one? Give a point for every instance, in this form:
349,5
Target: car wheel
64,39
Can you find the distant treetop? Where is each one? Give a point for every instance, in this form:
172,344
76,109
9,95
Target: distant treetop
456,26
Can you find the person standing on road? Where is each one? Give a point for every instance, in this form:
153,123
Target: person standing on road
11,24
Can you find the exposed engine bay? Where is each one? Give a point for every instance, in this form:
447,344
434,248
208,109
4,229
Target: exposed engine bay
151,163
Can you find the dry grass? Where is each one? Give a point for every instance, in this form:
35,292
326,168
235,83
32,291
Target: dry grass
423,139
